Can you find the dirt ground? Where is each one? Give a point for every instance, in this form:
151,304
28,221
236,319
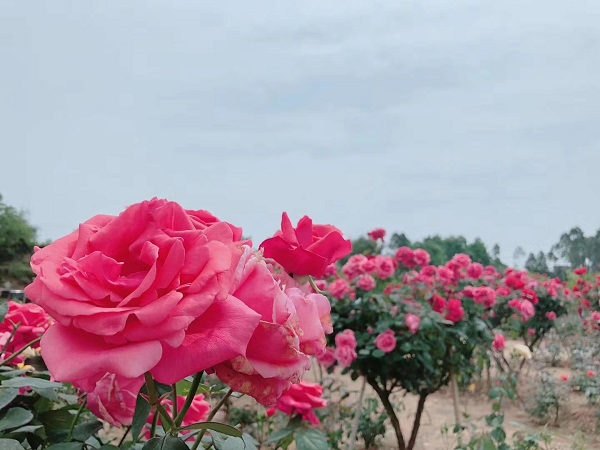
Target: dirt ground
575,430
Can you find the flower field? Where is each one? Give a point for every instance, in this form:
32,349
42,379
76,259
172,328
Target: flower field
164,328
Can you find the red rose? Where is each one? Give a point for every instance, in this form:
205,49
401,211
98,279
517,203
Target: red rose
376,234
307,249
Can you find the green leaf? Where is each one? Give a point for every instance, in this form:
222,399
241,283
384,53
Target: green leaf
3,310
279,435
11,373
86,429
246,442
378,353
34,383
66,446
499,435
216,426
166,442
142,411
496,392
10,444
14,418
311,440
7,395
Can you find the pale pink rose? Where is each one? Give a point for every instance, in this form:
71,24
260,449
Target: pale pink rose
147,291
314,316
596,316
412,322
302,398
327,359
112,398
499,342
386,342
366,283
345,355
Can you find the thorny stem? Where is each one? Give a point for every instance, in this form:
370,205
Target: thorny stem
153,394
75,419
189,399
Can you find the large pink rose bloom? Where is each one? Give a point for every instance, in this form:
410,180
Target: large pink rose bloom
145,291
292,326
307,249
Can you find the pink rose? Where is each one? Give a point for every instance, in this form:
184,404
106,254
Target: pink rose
302,398
327,359
331,271
31,322
455,312
406,257
147,291
112,398
346,339
386,342
475,271
421,257
384,267
340,289
551,315
345,355
308,249
377,234
499,342
366,283
412,322
292,326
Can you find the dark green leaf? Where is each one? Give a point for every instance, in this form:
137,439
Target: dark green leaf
166,442
66,446
26,429
496,392
86,429
14,418
311,440
10,444
216,426
7,395
378,353
499,435
109,447
142,411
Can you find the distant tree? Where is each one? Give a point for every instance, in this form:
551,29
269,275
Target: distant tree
17,236
399,240
518,255
575,248
538,264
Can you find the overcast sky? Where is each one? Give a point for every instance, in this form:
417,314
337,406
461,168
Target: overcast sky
452,117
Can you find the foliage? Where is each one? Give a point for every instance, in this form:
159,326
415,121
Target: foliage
371,427
549,398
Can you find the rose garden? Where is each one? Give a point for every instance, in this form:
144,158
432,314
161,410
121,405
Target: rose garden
164,328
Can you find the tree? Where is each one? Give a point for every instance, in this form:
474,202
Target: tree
17,236
537,264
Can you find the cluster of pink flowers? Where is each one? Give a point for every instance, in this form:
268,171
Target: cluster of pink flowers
174,292
23,323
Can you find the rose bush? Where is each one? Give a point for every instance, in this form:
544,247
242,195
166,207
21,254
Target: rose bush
161,293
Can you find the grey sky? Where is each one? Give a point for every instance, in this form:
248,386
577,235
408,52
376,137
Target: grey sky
452,117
